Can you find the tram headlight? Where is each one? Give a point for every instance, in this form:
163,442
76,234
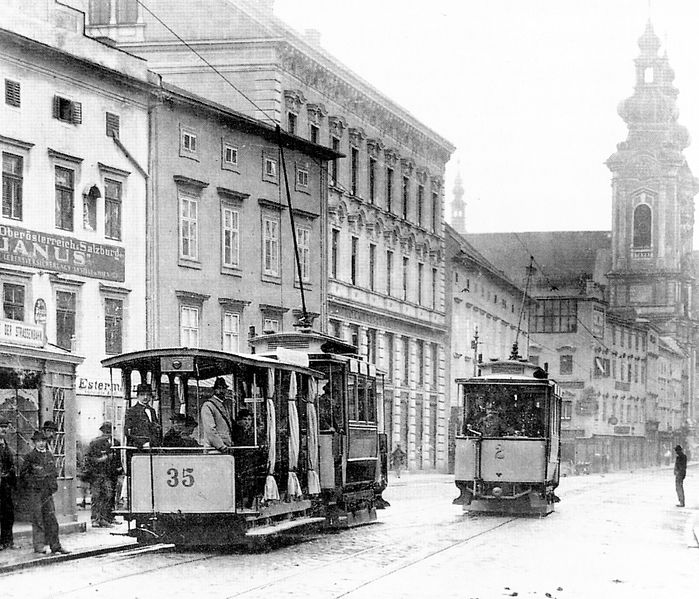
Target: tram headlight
497,492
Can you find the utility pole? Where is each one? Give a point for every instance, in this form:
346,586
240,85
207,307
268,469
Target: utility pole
474,346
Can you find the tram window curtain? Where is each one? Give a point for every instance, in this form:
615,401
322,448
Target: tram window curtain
271,489
293,487
312,416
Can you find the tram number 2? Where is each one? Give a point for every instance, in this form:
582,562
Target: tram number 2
185,478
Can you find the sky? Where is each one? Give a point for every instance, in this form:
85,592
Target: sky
527,91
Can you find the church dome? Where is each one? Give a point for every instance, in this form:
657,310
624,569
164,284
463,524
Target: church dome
648,105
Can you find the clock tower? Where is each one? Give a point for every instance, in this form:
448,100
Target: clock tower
653,201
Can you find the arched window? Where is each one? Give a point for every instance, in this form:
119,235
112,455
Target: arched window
642,220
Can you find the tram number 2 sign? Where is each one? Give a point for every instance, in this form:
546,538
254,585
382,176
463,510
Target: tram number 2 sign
177,478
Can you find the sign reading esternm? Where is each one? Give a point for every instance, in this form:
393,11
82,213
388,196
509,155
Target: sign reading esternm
63,254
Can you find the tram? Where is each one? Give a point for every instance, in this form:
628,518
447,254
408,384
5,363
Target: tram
508,450
353,446
198,496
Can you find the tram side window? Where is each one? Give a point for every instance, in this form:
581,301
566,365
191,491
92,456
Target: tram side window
361,398
370,400
352,396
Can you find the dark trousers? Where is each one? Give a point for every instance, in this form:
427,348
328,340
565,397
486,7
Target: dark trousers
44,523
679,487
7,515
102,491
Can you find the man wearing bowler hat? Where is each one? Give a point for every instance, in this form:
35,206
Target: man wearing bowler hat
7,484
40,476
102,467
216,421
141,422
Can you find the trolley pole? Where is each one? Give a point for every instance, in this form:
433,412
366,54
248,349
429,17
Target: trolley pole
474,346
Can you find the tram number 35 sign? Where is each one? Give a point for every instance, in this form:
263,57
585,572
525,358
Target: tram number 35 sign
177,478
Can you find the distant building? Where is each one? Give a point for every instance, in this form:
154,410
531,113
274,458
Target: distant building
385,238
74,144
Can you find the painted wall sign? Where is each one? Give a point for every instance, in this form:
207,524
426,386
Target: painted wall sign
63,254
40,313
21,333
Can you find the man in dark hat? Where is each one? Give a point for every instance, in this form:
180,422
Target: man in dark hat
680,473
216,421
102,467
7,484
50,428
39,473
180,435
141,422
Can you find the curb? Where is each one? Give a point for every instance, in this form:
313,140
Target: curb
64,528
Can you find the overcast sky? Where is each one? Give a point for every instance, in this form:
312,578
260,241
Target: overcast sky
527,91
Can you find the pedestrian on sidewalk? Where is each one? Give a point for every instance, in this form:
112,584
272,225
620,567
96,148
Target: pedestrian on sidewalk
680,473
398,458
40,475
8,481
102,470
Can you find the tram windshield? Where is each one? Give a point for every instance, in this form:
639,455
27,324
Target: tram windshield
504,411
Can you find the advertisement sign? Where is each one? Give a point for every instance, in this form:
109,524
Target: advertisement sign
50,252
21,333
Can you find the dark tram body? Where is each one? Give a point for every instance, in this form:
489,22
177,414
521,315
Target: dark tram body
508,453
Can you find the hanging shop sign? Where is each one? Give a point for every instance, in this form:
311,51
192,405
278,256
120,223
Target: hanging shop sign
21,333
62,254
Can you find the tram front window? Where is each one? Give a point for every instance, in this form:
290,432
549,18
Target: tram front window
502,411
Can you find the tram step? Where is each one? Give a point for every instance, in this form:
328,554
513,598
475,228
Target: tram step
270,529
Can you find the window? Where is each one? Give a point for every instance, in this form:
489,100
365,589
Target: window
315,133
270,325
354,167
334,249
406,268
301,177
112,124
434,289
435,210
389,189
230,237
406,360
67,110
292,119
189,326
335,145
566,410
231,331
389,356
435,365
230,155
406,193
188,143
269,172
113,325
100,12
189,227
112,209
90,209
270,246
420,274
642,220
64,198
126,11
336,328
303,236
354,336
353,260
555,316
420,359
13,301
12,93
389,271
372,180
372,267
420,203
566,364
371,346
65,319
12,184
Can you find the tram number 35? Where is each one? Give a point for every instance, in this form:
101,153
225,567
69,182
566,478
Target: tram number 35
185,478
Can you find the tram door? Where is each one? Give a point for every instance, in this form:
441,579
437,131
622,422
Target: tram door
331,421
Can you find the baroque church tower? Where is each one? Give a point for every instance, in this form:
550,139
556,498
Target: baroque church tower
653,201
458,206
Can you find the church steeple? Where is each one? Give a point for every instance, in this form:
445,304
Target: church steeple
653,196
458,206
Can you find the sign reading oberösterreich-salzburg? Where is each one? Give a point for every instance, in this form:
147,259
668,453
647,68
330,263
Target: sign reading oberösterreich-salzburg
62,254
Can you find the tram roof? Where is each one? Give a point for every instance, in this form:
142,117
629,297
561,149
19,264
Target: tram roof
209,362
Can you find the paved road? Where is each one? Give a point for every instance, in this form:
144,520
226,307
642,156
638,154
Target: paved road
613,536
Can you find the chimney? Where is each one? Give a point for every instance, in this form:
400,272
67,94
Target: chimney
312,36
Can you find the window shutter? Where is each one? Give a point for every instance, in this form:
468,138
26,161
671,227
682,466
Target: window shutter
76,113
12,93
112,125
56,107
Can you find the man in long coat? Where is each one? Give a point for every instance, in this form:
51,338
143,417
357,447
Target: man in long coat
216,421
141,421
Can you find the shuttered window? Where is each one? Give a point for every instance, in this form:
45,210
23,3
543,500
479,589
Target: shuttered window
12,93
67,111
112,124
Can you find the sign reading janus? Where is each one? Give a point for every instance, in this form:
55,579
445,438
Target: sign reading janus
21,333
62,254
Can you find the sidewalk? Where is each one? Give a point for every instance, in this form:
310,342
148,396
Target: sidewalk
77,537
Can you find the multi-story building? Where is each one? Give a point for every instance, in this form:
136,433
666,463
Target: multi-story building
73,138
222,260
385,258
